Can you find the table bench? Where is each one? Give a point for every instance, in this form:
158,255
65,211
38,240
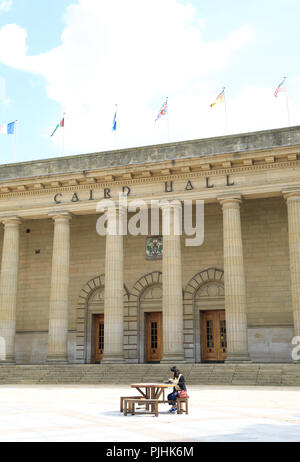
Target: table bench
179,404
127,397
129,406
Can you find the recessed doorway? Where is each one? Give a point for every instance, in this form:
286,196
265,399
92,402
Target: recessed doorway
98,330
213,334
153,337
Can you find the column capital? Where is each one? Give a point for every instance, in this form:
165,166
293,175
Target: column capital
115,210
232,201
166,204
291,195
116,220
57,214
10,220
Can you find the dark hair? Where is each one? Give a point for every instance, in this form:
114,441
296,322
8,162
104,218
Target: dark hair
176,371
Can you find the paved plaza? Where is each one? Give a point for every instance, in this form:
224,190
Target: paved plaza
91,413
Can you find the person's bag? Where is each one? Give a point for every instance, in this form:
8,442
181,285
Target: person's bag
183,394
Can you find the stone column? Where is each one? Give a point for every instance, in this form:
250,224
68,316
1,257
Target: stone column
293,206
9,288
59,295
173,350
234,278
114,288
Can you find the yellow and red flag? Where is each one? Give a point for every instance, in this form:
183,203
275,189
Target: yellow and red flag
219,99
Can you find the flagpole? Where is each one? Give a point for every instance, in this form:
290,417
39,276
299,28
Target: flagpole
287,105
15,143
115,136
168,121
225,111
63,139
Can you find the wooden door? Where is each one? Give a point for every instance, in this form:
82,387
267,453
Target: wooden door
98,337
214,343
154,337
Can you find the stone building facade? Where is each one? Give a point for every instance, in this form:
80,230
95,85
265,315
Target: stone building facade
68,294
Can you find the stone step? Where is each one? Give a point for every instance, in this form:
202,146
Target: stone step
239,374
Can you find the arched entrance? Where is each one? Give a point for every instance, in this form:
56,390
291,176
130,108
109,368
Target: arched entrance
205,295
148,293
90,321
210,306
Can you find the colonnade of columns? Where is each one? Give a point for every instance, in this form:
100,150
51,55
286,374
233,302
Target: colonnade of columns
234,277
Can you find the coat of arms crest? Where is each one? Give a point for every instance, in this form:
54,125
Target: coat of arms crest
154,248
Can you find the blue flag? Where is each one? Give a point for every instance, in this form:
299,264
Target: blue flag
114,127
11,128
7,129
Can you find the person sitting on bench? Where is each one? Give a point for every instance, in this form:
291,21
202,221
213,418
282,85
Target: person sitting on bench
179,382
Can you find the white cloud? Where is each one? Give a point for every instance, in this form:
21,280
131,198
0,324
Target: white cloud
15,54
5,5
133,53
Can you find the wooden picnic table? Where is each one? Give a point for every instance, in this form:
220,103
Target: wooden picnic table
151,391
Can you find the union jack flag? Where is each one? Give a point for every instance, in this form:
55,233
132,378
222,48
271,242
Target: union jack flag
280,87
163,110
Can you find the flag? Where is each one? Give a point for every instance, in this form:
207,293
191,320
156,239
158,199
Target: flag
7,129
114,127
280,87
61,124
219,99
163,110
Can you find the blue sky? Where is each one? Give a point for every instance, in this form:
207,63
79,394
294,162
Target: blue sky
83,56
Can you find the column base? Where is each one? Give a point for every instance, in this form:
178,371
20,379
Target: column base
238,358
112,358
7,361
173,357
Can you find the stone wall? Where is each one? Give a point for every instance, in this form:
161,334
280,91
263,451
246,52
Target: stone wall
265,243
